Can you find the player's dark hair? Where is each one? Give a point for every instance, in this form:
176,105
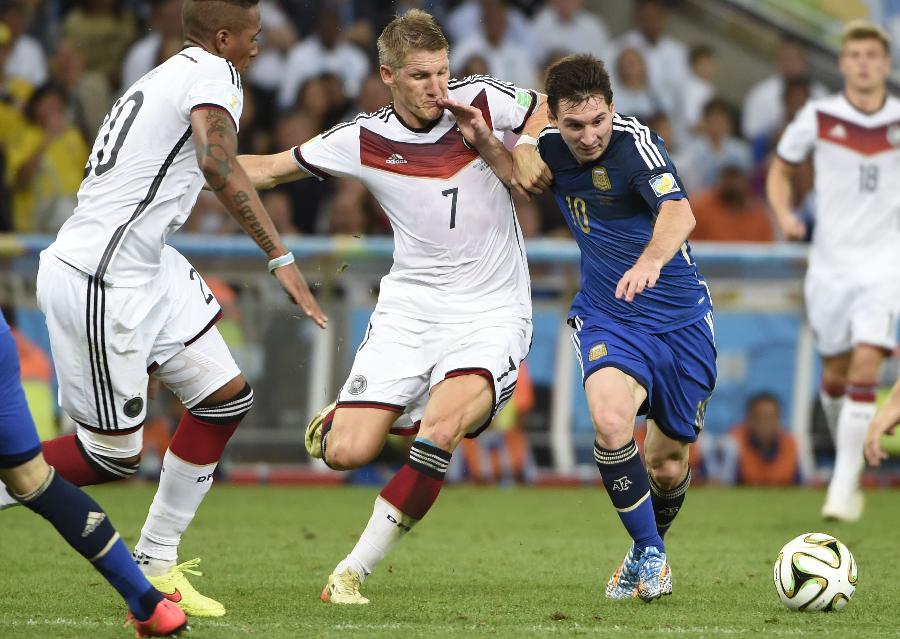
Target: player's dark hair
202,19
575,79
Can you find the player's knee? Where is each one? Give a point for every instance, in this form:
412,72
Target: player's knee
614,427
445,431
226,411
346,453
112,456
666,472
115,468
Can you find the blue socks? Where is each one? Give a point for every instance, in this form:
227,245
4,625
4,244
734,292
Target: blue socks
667,503
86,527
628,485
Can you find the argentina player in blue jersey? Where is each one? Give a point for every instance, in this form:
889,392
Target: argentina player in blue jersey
643,317
77,517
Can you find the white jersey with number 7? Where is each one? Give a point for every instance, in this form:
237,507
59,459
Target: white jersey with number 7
458,250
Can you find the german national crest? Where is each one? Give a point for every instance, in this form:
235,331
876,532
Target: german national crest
601,178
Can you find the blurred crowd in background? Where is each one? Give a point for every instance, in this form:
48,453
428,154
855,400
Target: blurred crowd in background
63,62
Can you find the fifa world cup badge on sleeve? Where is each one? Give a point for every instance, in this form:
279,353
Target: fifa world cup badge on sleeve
600,177
663,184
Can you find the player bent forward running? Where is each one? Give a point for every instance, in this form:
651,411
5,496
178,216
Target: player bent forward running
78,518
643,318
121,304
453,318
852,286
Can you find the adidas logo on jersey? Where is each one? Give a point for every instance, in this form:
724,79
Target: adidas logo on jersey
93,520
838,132
395,158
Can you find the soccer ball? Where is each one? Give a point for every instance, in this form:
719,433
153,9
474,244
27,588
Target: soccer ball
815,572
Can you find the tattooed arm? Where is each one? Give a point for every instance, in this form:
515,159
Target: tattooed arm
215,139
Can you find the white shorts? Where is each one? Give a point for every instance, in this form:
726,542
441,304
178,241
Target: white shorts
107,340
401,359
843,313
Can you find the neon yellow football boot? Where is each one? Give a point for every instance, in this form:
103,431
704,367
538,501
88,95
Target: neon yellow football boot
176,588
343,588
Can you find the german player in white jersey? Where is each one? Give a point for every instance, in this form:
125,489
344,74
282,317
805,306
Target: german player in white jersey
852,285
453,318
121,304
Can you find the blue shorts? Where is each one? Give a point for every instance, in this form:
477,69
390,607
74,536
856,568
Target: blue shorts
677,369
19,442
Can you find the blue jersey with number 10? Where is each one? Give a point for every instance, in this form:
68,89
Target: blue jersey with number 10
611,205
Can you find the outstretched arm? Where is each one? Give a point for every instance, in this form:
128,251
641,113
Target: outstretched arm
215,139
674,224
268,171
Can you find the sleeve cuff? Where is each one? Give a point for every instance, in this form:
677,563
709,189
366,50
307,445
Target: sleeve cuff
786,160
213,105
306,166
534,103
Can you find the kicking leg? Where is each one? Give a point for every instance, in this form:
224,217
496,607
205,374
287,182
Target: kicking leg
670,475
455,405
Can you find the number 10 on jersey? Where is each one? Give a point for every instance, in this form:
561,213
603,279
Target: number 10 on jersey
578,209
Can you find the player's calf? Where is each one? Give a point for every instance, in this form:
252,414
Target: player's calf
670,475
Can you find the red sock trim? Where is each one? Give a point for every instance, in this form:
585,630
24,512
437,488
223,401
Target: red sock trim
835,391
66,456
862,392
411,492
199,442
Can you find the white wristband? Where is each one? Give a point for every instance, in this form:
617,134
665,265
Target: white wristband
526,139
278,262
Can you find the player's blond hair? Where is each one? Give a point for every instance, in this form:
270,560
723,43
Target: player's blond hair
863,30
414,30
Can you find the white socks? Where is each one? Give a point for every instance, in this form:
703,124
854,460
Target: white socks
386,527
848,464
831,406
182,487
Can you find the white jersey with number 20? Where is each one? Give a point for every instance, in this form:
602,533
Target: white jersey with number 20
142,178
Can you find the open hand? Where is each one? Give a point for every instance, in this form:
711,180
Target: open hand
293,283
639,277
794,228
874,452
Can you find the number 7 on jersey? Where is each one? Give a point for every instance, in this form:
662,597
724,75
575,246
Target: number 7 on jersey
453,193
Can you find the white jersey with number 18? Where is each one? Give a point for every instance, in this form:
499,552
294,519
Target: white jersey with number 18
142,178
458,250
857,158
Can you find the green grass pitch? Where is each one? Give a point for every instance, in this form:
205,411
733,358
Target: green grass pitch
485,563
